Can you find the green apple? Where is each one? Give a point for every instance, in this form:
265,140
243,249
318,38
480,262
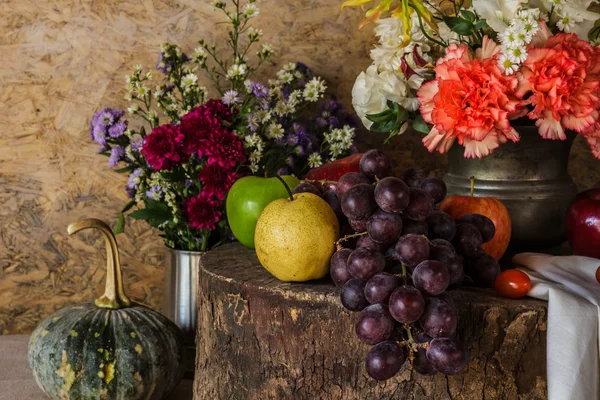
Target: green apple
246,200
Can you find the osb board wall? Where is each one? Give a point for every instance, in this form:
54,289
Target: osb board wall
62,61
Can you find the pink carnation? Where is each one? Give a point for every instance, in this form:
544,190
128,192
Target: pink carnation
163,148
563,80
217,180
470,100
202,212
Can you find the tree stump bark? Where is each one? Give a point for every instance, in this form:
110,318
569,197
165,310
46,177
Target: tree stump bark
259,338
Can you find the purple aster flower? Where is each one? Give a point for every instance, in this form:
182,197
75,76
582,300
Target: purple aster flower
291,139
354,149
334,122
155,193
253,122
115,156
99,136
117,129
136,142
280,141
299,150
282,171
321,122
188,183
330,106
259,90
291,161
162,65
133,182
231,97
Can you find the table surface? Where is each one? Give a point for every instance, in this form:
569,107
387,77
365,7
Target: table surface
17,382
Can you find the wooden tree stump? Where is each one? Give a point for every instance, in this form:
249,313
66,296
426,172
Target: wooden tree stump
259,338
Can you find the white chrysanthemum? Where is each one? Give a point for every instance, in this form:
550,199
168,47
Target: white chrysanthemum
311,95
280,109
337,135
251,140
237,71
507,65
568,22
516,54
335,150
286,78
347,133
275,131
188,81
250,10
291,66
314,160
263,115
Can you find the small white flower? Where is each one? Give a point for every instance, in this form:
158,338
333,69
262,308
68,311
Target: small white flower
275,131
348,132
255,156
133,109
263,115
516,54
199,53
254,168
286,77
294,98
336,135
280,109
250,10
266,50
230,97
247,83
335,150
189,81
236,71
254,33
568,22
507,65
138,68
314,160
141,91
152,115
311,95
509,38
291,66
289,109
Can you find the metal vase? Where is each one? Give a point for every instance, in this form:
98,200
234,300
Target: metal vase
180,295
531,179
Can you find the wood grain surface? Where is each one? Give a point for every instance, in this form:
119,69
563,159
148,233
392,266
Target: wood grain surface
62,60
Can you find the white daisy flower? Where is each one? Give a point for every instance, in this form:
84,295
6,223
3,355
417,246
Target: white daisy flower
286,78
251,140
568,22
348,132
311,95
291,66
254,168
516,54
314,160
263,115
250,10
294,98
507,65
280,109
189,80
337,134
254,33
335,150
266,50
509,38
255,156
236,71
275,131
231,97
199,53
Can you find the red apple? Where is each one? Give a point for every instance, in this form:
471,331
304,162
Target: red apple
583,223
457,206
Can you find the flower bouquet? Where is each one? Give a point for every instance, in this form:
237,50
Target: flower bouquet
465,72
189,149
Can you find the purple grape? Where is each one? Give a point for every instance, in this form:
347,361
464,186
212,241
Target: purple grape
379,288
467,240
483,269
439,318
421,205
334,202
406,304
384,360
411,226
484,225
413,177
436,243
443,252
353,295
392,195
384,227
435,187
412,249
375,164
365,262
358,202
358,225
421,364
327,186
431,277
349,180
308,187
375,324
338,267
447,356
366,241
441,226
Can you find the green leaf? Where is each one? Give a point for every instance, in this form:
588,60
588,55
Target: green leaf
128,206
125,169
120,226
384,116
481,24
459,25
156,213
468,15
420,125
594,33
383,126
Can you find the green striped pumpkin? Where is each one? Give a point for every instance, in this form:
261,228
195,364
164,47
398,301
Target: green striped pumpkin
108,349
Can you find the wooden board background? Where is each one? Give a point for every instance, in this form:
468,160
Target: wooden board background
62,60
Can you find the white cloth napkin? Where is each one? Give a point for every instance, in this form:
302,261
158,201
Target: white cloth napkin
569,285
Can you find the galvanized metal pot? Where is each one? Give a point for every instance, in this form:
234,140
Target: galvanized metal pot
530,177
180,295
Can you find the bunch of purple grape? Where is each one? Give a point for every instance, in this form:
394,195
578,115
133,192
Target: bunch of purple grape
407,255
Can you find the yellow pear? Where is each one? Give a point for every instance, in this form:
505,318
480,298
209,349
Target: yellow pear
294,239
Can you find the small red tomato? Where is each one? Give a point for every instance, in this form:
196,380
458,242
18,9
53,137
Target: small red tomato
513,284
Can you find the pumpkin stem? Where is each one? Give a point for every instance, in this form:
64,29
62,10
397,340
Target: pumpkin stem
114,297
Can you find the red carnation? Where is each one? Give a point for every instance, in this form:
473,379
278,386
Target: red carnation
217,180
201,212
162,148
198,124
220,110
224,148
